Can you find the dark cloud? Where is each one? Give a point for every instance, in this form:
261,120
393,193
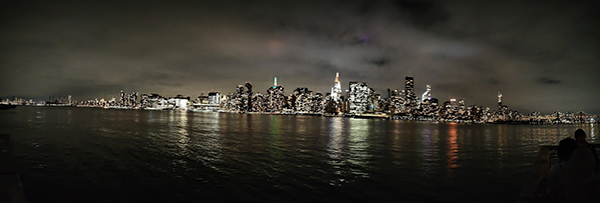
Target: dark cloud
366,7
494,81
529,50
423,13
330,69
549,81
379,62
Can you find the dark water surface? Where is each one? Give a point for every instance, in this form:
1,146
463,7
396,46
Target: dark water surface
104,155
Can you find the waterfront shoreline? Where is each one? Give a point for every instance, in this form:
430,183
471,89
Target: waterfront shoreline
382,116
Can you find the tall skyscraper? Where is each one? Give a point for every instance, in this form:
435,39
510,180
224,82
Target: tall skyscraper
132,99
409,86
275,97
427,94
453,103
359,97
122,98
214,98
499,100
303,101
461,104
336,90
144,101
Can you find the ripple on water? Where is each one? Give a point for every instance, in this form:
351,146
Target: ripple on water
191,156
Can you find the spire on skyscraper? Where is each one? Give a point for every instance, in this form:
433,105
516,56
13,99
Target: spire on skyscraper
337,75
336,90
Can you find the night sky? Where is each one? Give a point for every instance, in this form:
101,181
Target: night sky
543,55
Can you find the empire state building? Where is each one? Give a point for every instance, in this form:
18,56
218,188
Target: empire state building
336,90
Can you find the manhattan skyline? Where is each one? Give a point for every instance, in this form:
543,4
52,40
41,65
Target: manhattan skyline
541,55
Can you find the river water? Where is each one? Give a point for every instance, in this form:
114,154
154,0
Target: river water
71,154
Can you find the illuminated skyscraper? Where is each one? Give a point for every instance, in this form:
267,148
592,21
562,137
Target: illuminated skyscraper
122,98
461,104
394,94
237,101
133,96
359,97
144,102
275,97
303,101
317,103
499,100
427,94
409,86
214,98
336,90
248,96
181,102
453,103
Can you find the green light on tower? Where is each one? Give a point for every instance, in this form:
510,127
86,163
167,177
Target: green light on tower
275,83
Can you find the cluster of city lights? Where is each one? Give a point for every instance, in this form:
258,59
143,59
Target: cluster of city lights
359,101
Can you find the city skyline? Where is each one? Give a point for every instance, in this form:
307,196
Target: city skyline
540,55
407,93
360,101
357,100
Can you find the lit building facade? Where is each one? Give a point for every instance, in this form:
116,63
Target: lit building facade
128,100
396,101
410,97
259,103
302,98
336,90
359,97
122,98
214,98
181,102
144,101
157,102
276,99
317,103
427,94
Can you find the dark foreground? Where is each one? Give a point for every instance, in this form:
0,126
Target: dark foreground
11,189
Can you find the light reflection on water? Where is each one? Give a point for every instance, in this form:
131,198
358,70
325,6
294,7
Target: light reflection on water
430,151
185,156
358,147
335,145
453,148
275,151
211,141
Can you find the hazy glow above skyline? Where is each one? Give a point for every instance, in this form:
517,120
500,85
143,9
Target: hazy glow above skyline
541,55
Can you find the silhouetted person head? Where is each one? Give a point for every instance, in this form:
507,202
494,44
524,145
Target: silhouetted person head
580,136
581,173
581,164
566,148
